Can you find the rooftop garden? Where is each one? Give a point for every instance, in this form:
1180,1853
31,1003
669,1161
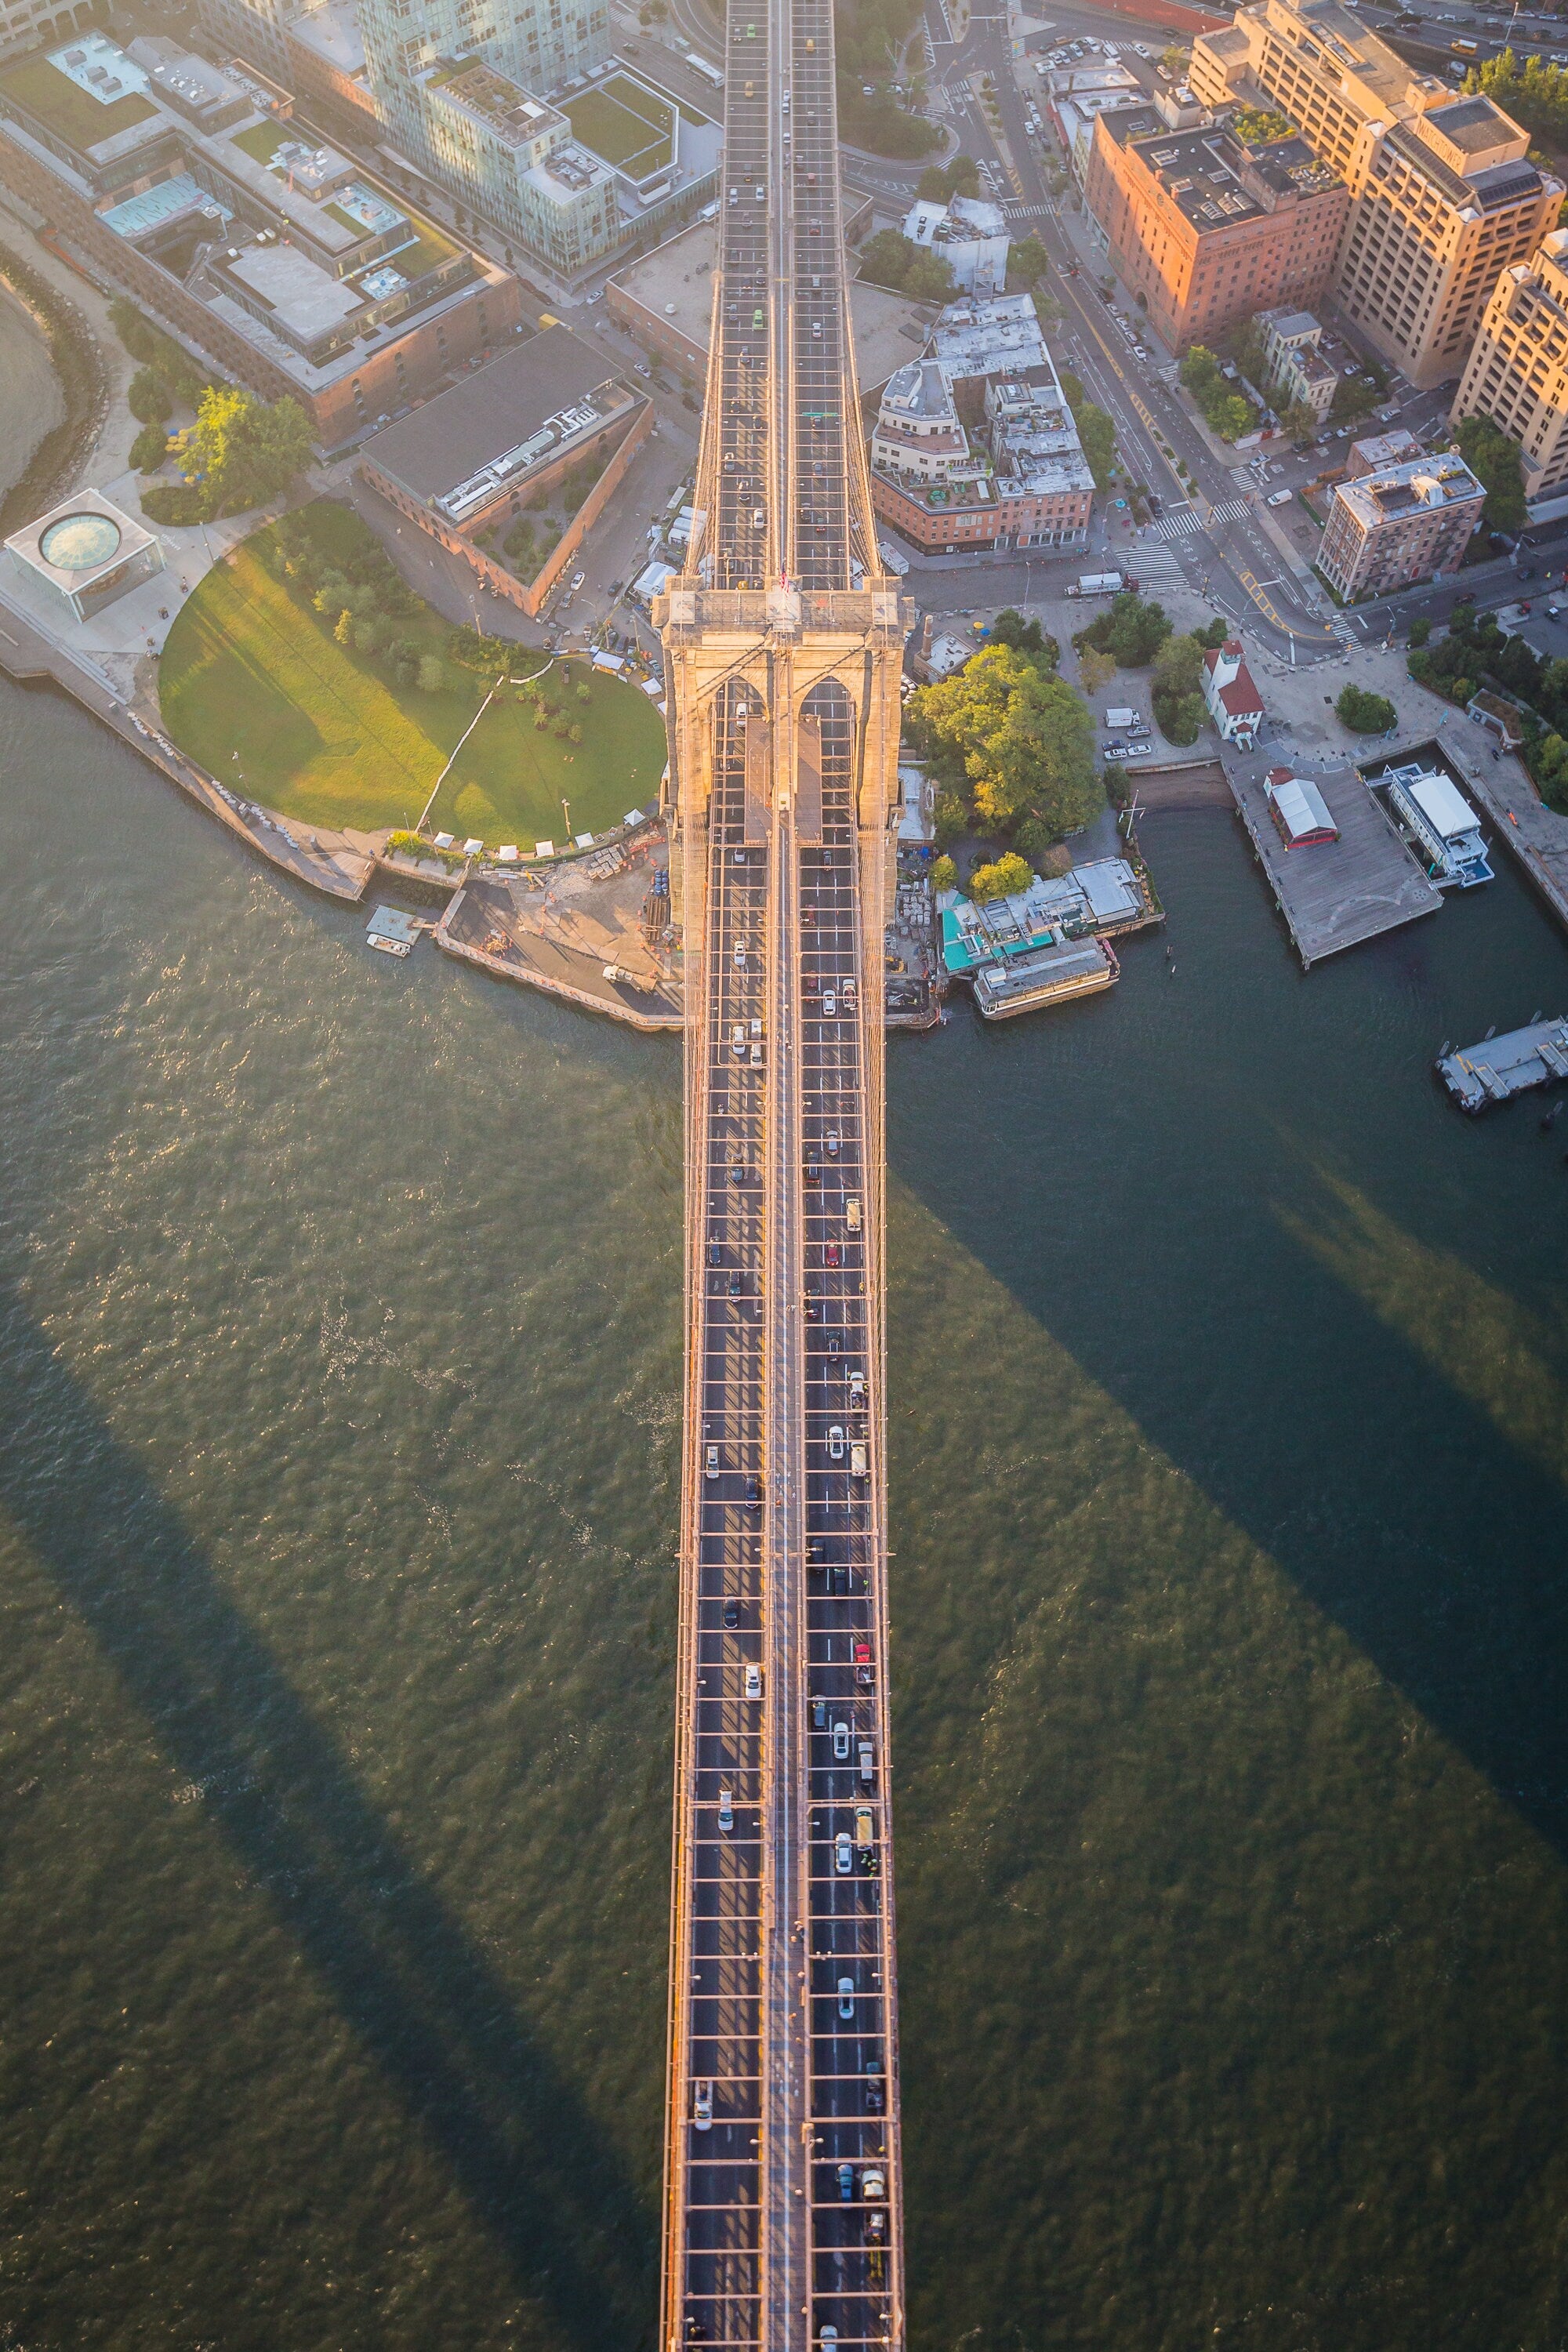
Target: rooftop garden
44,91
625,124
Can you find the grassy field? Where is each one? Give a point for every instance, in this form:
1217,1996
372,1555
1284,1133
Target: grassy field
511,777
255,687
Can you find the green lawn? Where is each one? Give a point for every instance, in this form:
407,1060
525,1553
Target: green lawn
325,735
508,782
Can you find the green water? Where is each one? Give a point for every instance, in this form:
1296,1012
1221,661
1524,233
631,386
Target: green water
339,1393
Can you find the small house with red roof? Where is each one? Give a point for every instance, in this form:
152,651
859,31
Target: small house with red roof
1234,702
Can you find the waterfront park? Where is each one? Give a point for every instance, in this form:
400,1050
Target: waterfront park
313,714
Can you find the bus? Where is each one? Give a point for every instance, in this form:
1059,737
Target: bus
1466,48
708,72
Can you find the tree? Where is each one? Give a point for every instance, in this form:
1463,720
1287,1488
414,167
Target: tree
944,875
1218,633
1225,412
148,398
1047,309
1028,261
1300,421
1174,60
1259,126
1355,398
247,450
1419,632
1095,669
929,279
1494,460
1095,429
149,449
884,258
1364,713
1183,719
343,628
583,691
1010,628
950,817
1128,630
1018,733
1009,874
1179,708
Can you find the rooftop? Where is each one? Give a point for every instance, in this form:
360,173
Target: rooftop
988,338
1422,483
98,118
918,389
1216,181
488,420
500,105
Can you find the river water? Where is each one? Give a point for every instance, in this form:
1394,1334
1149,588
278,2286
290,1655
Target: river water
339,1389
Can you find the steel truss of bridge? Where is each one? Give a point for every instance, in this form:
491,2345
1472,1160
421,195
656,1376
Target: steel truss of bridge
783,645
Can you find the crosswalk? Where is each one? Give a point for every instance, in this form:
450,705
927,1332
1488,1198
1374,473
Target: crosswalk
1179,520
1028,211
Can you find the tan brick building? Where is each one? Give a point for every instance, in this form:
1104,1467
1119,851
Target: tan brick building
1206,231
1443,196
1409,522
1518,369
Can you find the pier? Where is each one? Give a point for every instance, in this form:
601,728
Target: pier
1337,894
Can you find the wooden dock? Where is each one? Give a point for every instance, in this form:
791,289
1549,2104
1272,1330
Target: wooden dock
1334,895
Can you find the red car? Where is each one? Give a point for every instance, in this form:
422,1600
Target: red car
862,1661
835,1255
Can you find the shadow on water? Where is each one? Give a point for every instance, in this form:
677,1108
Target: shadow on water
425,2003
1313,1350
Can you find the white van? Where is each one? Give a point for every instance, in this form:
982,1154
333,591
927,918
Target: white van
1122,720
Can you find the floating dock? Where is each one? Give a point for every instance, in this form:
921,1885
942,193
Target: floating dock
1336,894
1500,1067
392,931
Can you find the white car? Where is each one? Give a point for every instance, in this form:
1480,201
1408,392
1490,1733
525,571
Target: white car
711,1463
577,579
835,1444
841,1743
702,2106
738,1041
846,1994
753,1682
857,1390
740,955
843,1853
829,1003
1281,497
726,1809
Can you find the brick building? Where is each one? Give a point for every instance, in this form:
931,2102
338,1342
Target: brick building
1389,530
1204,231
1443,195
283,261
471,460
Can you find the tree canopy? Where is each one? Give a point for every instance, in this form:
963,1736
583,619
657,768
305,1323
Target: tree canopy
938,182
246,451
1367,714
1178,694
1226,413
1095,429
1019,735
1259,126
1130,631
1494,460
999,881
889,259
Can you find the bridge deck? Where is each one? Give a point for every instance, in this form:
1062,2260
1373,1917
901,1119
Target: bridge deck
783,2187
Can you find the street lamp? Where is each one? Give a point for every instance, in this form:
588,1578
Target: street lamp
566,817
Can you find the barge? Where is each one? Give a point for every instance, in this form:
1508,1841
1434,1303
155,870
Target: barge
1500,1067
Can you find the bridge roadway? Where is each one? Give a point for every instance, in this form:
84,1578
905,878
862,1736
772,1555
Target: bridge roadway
784,644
